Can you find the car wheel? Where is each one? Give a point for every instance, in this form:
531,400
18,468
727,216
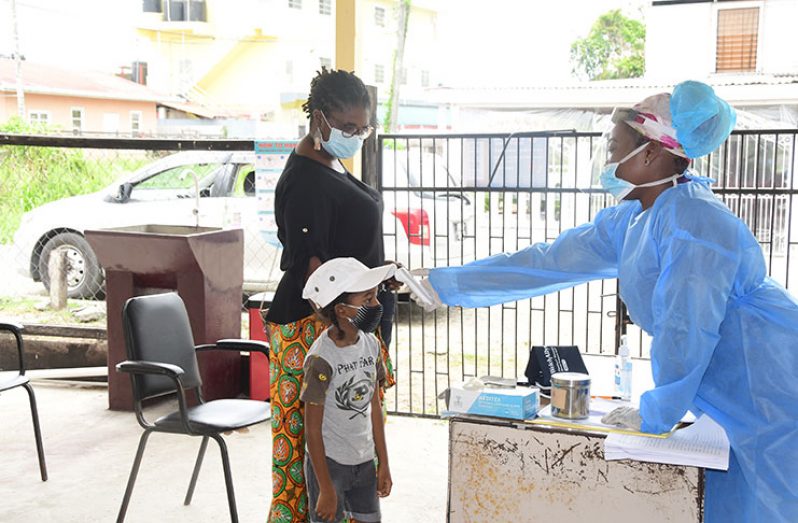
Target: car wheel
84,277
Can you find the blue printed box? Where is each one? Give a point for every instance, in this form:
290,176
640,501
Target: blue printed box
516,403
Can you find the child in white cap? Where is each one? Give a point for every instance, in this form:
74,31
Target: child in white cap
343,417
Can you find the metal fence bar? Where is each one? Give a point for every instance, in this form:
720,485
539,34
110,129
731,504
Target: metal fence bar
467,196
512,191
788,242
140,144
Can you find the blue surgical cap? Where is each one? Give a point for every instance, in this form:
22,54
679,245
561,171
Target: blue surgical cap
702,120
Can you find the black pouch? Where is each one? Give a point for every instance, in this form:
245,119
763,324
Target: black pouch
551,359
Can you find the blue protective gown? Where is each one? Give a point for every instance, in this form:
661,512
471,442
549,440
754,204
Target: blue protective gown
725,336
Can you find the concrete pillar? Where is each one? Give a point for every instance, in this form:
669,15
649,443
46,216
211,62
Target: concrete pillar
345,35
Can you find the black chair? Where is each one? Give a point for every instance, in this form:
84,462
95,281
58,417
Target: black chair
162,360
20,380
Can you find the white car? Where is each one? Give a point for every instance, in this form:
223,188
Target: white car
428,219
163,193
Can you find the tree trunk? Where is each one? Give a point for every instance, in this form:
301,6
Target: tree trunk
398,62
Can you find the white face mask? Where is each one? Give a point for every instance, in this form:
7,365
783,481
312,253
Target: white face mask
620,188
339,145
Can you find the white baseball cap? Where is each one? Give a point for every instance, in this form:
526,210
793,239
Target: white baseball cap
340,275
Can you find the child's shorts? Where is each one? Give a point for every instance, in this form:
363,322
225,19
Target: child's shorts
355,486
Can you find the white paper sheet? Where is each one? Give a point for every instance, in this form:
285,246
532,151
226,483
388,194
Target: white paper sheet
404,276
702,444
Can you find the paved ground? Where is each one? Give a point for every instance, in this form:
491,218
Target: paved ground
14,284
90,450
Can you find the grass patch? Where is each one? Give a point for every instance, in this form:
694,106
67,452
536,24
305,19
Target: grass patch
33,176
25,310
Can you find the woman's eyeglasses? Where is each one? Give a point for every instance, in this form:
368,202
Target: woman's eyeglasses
350,130
364,133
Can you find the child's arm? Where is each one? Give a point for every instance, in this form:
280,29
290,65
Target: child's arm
317,378
328,500
384,482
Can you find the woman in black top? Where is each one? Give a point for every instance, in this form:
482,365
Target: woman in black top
322,212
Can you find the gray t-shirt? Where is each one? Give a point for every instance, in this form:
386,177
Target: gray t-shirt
344,380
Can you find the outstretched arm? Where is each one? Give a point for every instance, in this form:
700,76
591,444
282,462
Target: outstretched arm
584,253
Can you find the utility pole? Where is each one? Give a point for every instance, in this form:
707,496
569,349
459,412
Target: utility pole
18,60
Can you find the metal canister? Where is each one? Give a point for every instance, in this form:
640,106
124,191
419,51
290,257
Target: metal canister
570,395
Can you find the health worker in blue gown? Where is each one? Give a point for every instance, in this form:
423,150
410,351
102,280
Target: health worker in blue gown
725,335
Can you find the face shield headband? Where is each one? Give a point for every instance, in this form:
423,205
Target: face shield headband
651,126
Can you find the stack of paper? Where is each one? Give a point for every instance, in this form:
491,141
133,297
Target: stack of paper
702,444
415,286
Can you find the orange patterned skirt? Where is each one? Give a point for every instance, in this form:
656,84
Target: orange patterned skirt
289,345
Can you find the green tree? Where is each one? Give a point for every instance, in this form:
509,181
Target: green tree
614,48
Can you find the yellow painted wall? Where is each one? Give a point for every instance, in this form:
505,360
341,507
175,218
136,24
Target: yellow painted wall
246,78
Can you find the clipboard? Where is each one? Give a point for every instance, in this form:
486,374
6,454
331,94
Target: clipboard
598,408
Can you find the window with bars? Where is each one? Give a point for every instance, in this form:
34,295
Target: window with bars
379,73
135,121
152,6
738,32
424,78
39,117
325,7
379,16
184,11
77,120
325,62
295,4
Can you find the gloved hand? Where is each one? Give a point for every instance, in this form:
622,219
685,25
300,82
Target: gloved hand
434,301
626,417
392,284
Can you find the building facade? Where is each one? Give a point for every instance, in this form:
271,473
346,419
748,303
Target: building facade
706,39
254,63
79,102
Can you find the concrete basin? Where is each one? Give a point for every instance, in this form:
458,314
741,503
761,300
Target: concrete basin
205,265
165,230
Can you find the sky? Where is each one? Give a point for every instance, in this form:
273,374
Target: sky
51,32
500,42
519,42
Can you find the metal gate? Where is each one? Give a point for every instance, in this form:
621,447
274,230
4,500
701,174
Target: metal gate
451,199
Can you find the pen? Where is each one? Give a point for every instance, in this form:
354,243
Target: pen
607,397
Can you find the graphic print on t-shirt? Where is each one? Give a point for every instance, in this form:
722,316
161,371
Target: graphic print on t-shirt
353,395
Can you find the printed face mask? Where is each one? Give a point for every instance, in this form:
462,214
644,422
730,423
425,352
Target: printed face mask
620,188
340,146
367,318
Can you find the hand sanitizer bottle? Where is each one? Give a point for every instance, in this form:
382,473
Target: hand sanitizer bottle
623,371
